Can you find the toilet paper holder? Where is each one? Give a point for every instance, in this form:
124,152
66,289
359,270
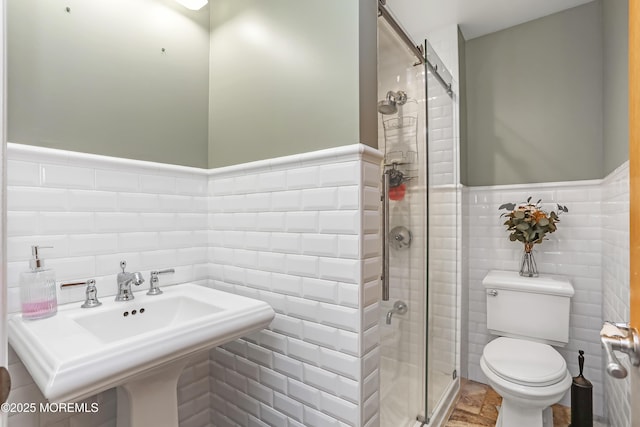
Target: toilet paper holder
620,337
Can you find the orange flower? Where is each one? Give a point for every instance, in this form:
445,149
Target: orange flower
538,215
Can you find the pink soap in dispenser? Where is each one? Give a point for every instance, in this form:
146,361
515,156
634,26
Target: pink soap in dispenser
38,288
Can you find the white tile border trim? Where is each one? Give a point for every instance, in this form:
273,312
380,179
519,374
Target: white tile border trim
617,171
63,157
527,186
33,153
343,153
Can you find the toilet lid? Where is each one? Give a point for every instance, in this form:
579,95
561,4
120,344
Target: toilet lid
525,362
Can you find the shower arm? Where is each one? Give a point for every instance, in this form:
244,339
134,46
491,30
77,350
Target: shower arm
385,235
399,97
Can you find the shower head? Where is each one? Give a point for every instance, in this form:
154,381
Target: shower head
389,105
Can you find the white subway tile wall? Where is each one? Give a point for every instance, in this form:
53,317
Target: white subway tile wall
330,362
615,283
574,250
300,232
153,216
303,236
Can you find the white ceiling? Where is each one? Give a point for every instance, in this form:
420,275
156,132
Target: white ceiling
475,17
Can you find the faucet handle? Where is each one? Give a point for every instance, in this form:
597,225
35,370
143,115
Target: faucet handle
123,265
154,280
91,294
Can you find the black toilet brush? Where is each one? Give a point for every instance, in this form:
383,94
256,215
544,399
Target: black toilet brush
581,398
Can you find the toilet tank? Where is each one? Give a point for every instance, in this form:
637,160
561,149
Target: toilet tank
535,308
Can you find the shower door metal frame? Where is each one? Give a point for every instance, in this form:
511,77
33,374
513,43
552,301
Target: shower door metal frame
417,50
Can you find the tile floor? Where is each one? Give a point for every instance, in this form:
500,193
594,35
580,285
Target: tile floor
478,405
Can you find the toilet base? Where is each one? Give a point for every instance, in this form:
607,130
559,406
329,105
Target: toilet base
525,406
515,415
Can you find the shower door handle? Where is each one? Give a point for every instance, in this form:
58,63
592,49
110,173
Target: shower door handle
623,338
385,236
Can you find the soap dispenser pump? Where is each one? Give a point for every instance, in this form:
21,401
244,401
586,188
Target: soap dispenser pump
38,288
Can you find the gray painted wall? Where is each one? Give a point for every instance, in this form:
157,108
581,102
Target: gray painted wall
286,77
95,79
615,20
282,77
535,100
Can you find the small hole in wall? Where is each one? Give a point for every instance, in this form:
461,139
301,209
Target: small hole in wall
125,314
134,312
141,310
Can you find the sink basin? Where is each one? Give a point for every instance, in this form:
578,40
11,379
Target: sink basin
80,352
153,314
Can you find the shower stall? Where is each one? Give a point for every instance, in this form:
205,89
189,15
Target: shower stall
419,318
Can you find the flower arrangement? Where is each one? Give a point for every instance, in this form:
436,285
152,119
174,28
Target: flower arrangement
528,222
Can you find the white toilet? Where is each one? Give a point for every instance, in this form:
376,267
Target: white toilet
530,315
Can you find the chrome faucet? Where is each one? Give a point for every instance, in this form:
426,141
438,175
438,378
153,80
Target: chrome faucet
91,293
153,282
124,283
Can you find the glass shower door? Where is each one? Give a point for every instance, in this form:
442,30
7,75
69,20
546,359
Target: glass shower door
443,207
401,130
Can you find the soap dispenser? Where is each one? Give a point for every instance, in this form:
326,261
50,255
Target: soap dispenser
38,288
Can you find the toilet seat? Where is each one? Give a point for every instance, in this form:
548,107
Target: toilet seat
525,362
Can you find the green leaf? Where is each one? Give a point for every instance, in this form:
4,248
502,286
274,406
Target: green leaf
518,214
543,222
523,226
508,206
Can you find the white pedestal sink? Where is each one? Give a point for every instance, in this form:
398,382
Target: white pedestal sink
139,346
138,399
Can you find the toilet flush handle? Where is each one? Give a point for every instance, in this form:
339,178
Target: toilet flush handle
492,292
